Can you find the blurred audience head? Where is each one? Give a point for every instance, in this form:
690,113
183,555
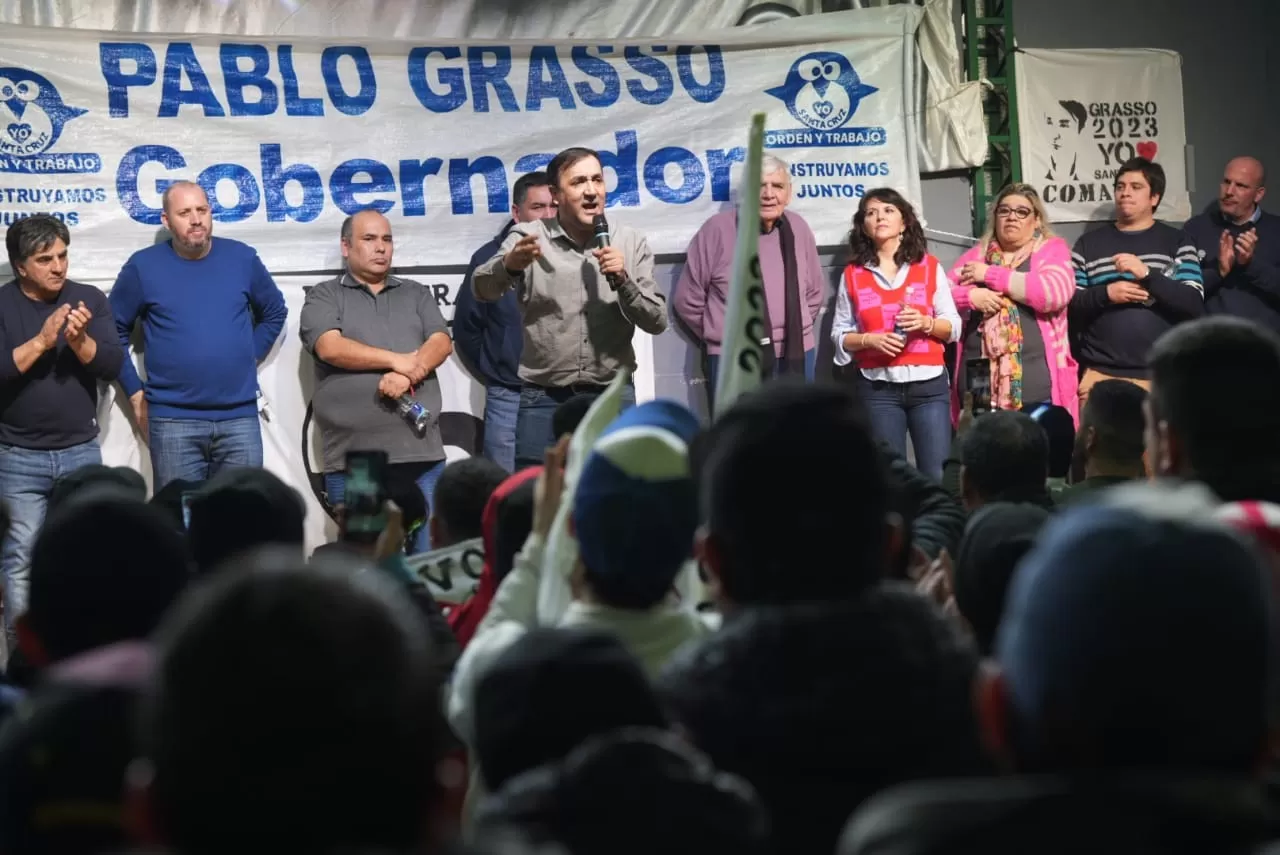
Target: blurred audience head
104,568
634,792
293,708
768,536
995,539
635,506
1060,431
551,690
1213,414
820,706
513,522
1138,635
462,491
569,415
241,509
93,480
1110,441
63,760
170,502
1004,457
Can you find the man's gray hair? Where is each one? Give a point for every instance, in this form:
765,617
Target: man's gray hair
770,164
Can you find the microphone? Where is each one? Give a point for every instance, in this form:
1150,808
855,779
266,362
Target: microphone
600,229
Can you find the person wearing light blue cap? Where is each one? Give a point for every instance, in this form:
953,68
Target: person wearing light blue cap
634,515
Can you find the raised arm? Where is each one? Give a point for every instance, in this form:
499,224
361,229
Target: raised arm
491,279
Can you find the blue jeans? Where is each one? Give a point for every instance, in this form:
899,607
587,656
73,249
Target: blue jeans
712,368
198,449
26,477
336,488
501,408
534,433
921,409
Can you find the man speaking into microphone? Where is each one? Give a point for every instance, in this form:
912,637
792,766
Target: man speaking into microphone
583,286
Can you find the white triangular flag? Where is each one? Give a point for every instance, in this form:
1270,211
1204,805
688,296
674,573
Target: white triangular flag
561,553
745,333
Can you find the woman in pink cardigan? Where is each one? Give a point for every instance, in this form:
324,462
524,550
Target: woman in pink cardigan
1014,288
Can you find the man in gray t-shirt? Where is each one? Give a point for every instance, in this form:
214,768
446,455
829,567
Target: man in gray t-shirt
375,338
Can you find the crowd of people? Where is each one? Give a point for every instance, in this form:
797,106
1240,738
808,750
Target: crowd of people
1051,627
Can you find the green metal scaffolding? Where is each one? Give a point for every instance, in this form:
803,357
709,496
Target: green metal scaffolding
989,49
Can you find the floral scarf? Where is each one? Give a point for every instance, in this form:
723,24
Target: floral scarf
1002,335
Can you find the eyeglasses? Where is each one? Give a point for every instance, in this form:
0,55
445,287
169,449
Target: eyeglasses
1004,211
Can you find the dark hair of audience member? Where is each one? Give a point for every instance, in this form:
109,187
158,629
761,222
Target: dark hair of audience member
996,538
293,708
1094,646
104,568
168,500
462,491
770,536
63,761
819,706
1111,434
1005,458
95,477
1224,422
569,415
552,689
242,509
1060,431
632,792
515,522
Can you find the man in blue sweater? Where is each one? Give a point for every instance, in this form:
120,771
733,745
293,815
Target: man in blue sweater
59,341
1239,247
210,313
490,336
1135,279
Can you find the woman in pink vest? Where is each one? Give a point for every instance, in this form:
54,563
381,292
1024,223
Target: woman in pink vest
1015,287
894,314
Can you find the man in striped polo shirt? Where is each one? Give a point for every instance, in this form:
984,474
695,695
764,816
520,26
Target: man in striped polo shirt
1135,279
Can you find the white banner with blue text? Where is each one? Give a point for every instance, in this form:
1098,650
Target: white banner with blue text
290,136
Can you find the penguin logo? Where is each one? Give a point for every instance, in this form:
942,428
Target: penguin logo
31,113
822,90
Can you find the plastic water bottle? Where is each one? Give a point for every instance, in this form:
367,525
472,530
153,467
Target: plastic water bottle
413,412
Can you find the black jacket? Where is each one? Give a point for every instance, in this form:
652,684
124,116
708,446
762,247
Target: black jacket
936,519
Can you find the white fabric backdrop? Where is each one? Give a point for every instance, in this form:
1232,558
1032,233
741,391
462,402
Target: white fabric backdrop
1081,113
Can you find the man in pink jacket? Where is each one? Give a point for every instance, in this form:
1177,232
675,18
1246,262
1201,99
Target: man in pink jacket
794,283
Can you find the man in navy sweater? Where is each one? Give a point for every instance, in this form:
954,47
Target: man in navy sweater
59,342
490,336
210,313
1239,247
1135,279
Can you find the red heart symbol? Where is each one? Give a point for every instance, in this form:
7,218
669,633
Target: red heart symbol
1147,149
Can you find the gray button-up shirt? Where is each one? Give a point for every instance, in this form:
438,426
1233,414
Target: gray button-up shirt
349,411
576,328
